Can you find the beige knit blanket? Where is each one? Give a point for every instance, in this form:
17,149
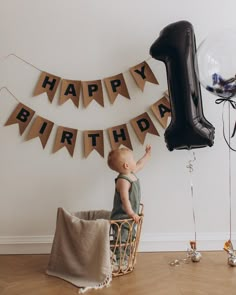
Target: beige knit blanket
81,249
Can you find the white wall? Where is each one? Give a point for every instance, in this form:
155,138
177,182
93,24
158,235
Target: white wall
88,40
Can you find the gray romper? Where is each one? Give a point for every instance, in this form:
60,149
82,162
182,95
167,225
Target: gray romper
118,211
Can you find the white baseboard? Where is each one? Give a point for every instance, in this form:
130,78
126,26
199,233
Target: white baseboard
158,242
180,241
25,244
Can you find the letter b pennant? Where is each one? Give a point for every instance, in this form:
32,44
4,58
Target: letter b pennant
21,115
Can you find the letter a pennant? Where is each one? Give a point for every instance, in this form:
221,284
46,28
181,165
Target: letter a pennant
162,111
70,89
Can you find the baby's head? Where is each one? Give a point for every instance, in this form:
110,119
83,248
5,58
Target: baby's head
121,160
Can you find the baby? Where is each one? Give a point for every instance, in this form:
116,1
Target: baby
127,187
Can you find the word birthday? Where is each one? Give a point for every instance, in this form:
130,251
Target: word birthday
93,139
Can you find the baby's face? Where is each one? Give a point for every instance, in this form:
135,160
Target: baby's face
130,160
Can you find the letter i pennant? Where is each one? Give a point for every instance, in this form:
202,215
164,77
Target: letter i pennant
22,115
40,128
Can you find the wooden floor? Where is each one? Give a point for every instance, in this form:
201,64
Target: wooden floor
25,274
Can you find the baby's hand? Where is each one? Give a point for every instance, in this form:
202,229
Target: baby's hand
148,149
136,217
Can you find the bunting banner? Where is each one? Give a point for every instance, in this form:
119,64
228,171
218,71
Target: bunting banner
41,128
93,140
116,85
162,111
22,116
143,73
65,137
47,83
143,125
70,89
92,90
119,135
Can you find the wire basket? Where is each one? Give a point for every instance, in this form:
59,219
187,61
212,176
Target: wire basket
124,241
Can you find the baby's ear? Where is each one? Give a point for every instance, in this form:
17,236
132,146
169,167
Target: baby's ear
125,165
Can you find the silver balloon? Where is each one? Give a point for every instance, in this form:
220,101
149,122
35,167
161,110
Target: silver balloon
196,256
232,260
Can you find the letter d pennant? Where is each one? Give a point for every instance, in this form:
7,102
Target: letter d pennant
143,125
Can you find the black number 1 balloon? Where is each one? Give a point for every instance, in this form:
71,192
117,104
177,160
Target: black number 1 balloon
176,47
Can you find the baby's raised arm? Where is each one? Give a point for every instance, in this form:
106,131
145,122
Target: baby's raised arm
141,162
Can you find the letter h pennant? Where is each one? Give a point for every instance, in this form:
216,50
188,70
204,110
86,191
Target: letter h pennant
119,135
47,83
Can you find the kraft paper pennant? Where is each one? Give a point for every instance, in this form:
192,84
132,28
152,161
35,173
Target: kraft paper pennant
143,125
41,128
119,135
47,83
70,89
22,115
65,137
92,90
116,85
162,111
143,73
93,140
166,94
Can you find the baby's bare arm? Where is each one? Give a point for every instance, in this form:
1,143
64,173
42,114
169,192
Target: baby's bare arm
141,162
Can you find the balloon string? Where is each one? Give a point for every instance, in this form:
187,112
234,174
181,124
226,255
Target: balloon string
190,252
194,217
228,142
191,169
230,186
229,100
